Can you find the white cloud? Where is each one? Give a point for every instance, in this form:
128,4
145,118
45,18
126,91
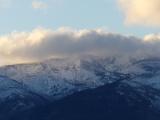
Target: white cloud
152,38
37,4
40,44
143,12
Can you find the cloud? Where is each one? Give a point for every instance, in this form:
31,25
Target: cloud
40,44
37,4
152,38
142,12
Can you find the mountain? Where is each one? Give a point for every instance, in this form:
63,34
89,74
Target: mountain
15,98
113,101
57,85
60,77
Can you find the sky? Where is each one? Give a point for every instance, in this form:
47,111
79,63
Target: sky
25,15
32,30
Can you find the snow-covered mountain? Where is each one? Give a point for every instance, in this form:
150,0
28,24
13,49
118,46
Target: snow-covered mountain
15,97
57,78
54,76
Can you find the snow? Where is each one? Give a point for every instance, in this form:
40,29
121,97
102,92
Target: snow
9,87
60,77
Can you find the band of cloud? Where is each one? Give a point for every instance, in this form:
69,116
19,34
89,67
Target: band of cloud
19,47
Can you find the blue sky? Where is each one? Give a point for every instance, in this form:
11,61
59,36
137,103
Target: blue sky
19,15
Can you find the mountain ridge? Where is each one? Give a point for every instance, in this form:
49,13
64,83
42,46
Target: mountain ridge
55,80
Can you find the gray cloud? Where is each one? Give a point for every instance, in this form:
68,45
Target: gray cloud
19,47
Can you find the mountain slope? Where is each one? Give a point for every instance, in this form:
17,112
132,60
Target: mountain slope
15,98
114,101
60,77
132,86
